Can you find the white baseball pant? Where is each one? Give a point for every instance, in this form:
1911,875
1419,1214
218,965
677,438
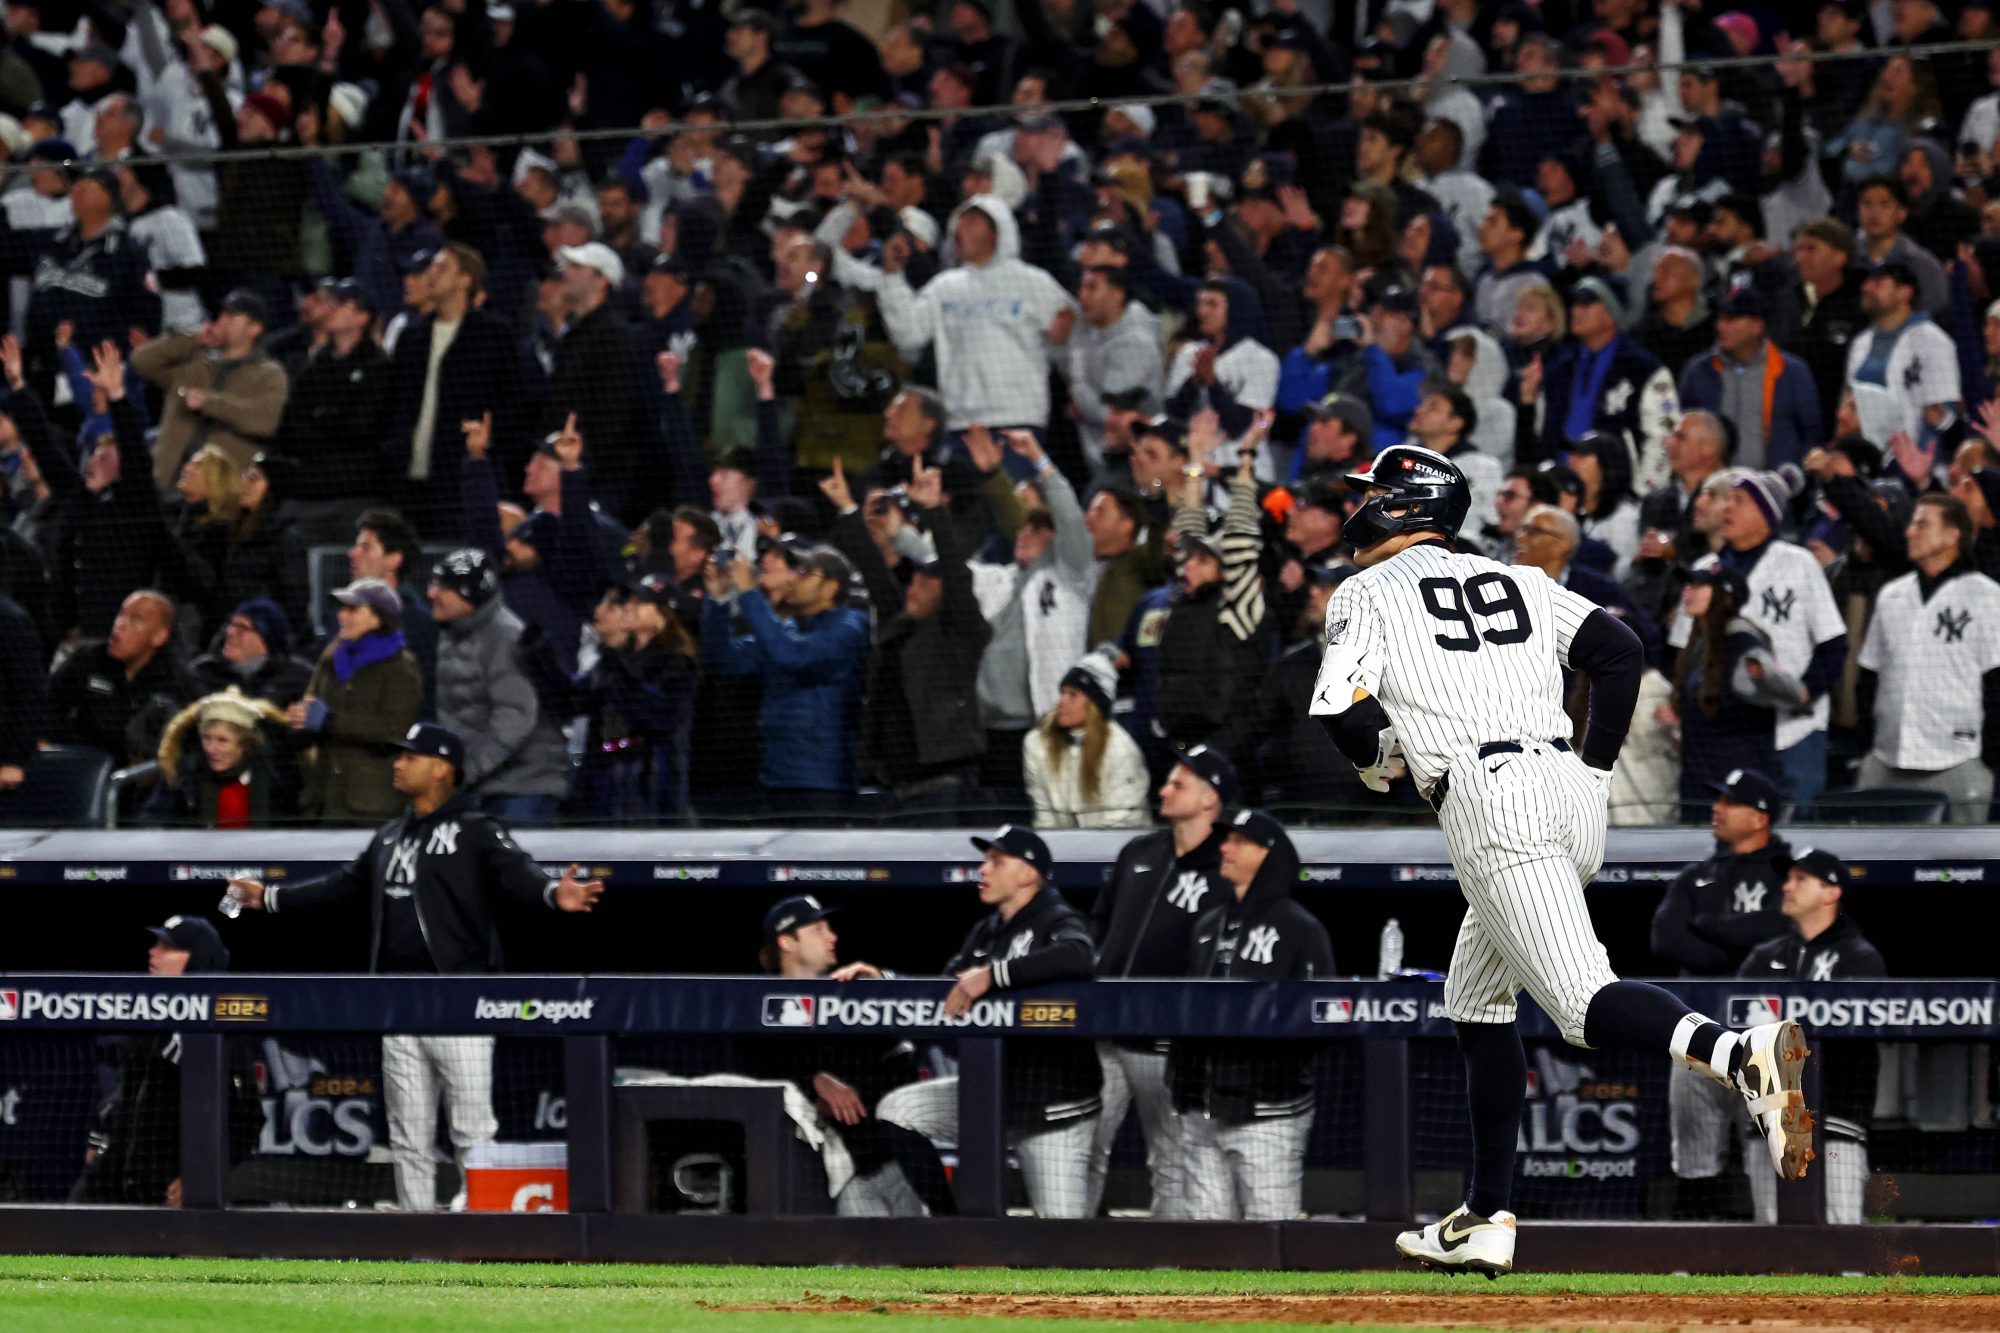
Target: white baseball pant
1703,1115
1055,1160
1252,1172
883,1192
414,1071
1138,1076
1845,1165
1526,833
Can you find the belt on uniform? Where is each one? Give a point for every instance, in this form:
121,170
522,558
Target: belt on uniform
1486,751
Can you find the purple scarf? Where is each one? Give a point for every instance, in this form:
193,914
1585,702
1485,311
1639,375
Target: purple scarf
350,655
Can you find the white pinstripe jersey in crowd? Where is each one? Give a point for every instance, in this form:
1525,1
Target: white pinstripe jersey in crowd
1460,650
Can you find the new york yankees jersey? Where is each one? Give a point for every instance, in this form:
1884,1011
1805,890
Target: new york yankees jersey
1931,653
1791,601
1460,650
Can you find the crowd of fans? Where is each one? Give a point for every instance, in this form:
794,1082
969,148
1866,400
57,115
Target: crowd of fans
980,453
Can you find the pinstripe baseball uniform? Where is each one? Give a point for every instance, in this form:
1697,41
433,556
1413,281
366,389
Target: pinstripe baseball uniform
1934,649
1466,657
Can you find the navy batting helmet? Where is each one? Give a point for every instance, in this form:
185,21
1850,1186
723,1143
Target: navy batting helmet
1426,486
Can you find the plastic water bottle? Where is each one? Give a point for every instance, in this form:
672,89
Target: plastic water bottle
1391,960
231,906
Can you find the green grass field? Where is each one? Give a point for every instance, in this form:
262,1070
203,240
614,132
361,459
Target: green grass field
273,1296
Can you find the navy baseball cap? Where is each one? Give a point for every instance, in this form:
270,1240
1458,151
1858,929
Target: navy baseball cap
206,952
1897,269
1746,786
439,742
1257,827
1211,766
1817,862
1024,843
1745,301
1710,570
788,914
350,292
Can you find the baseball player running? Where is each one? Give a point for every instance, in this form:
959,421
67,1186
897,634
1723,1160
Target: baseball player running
1456,662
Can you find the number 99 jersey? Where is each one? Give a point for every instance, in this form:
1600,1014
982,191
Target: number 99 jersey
1459,650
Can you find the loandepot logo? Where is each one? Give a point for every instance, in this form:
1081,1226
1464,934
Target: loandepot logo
534,1011
839,1011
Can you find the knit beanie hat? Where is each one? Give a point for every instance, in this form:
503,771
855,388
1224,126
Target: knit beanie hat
1767,490
1097,679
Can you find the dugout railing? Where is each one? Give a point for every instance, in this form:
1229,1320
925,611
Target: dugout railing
1390,1024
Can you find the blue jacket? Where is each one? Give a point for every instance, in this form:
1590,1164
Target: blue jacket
1791,402
812,670
1619,405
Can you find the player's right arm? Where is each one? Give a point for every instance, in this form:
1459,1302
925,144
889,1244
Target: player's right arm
1600,645
1349,674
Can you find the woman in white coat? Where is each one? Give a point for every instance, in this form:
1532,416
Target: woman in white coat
1083,770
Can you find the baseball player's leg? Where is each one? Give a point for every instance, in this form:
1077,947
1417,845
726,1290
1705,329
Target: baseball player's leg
1055,1166
1846,1180
1268,1160
929,1107
1208,1192
1117,1094
1763,1183
883,1192
1703,1116
1479,999
465,1066
1146,1072
410,1097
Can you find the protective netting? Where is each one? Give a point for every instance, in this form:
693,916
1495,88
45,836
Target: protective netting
887,468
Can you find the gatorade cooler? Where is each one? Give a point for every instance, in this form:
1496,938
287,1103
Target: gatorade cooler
517,1178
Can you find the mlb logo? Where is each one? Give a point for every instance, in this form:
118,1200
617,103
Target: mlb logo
1333,1011
10,1004
1747,1011
788,1011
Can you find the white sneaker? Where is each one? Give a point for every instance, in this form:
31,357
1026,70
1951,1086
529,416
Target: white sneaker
1774,1056
1462,1240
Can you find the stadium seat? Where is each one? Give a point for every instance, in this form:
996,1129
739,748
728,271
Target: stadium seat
66,786
1881,805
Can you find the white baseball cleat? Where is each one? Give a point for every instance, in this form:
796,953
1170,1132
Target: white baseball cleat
1774,1058
1462,1240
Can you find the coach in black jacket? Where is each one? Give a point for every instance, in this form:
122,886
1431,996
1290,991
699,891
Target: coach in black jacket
1824,944
1247,1106
427,874
1032,937
1161,881
1717,910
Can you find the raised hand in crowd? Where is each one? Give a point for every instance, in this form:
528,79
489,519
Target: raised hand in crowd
479,435
835,488
569,442
980,447
896,253
107,372
669,365
10,361
763,372
926,488
1024,444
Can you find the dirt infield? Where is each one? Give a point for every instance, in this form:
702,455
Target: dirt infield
1568,1313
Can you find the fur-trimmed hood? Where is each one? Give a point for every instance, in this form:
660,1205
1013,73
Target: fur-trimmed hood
230,705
